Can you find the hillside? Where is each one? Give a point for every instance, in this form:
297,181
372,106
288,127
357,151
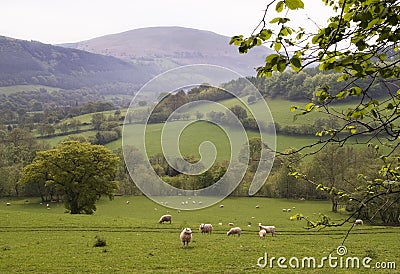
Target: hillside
168,47
35,63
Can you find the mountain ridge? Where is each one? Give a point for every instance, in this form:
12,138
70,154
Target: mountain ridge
171,46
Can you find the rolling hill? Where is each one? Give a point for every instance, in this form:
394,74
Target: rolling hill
169,47
34,63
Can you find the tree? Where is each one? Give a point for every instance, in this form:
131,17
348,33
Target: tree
360,41
81,172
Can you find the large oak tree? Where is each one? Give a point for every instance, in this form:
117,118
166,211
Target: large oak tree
81,172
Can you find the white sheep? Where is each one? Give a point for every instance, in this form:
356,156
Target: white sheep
8,204
257,206
186,236
288,210
230,224
234,230
206,228
358,222
221,206
262,233
165,218
267,228
283,209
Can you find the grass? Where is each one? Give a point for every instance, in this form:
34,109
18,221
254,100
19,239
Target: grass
40,240
19,88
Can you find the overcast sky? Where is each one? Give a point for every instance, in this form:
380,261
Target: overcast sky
63,21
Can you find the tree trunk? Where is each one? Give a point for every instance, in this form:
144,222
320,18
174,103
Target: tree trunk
334,204
73,203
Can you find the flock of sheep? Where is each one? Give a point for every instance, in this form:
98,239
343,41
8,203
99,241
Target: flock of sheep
186,233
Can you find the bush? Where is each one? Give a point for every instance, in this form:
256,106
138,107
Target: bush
99,242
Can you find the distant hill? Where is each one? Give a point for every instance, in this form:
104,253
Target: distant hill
30,62
168,47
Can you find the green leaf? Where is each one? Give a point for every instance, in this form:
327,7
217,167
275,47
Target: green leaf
281,66
277,46
279,6
309,107
341,95
295,63
275,20
265,34
343,77
294,4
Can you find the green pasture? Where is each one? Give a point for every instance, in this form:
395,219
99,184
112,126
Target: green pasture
19,88
35,239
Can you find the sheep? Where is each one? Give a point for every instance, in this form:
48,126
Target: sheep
257,206
234,230
230,224
219,223
221,206
283,209
262,233
358,222
186,236
165,218
8,204
288,210
206,228
267,228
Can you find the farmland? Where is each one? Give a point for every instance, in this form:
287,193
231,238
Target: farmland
40,240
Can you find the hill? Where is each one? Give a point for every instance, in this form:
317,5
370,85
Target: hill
169,47
34,63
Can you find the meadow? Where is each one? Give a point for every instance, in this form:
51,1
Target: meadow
35,239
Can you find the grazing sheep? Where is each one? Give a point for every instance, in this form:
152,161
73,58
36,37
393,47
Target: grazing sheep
8,204
262,233
186,236
257,206
165,218
267,228
220,223
288,210
206,228
358,222
127,202
283,209
234,230
230,224
221,206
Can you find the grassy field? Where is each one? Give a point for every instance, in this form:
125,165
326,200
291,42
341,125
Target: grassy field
199,132
35,239
18,88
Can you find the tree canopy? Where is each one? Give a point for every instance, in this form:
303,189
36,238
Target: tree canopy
360,44
81,172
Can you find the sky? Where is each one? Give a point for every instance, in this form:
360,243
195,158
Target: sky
65,21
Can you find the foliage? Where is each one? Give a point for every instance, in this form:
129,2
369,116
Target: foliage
360,42
81,172
17,148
